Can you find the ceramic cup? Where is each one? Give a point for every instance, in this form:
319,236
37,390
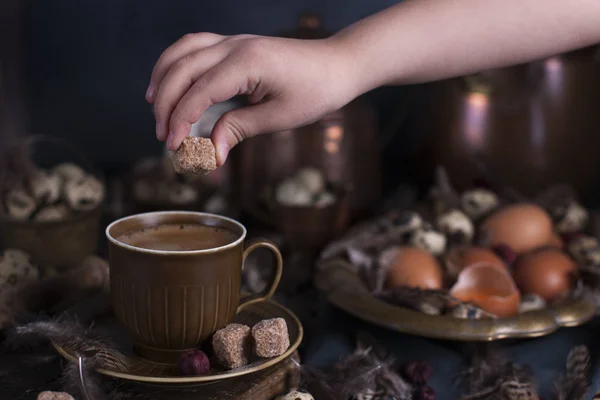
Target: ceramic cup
171,301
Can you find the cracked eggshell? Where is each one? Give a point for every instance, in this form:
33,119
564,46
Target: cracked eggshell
312,179
84,194
293,193
296,394
45,187
69,171
477,203
573,218
430,240
19,204
456,221
15,268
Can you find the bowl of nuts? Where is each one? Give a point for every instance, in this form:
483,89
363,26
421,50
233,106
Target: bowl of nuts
50,202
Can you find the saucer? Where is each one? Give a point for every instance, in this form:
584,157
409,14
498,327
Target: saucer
156,373
339,280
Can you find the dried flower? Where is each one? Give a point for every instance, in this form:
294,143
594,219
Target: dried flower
425,393
418,372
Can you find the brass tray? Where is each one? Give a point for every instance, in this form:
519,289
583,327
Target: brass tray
251,314
345,290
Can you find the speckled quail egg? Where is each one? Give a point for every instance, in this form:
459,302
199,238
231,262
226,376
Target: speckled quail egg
45,187
180,193
19,204
570,218
427,238
15,268
312,179
84,194
531,302
404,222
293,193
296,394
585,250
477,203
456,222
56,212
69,171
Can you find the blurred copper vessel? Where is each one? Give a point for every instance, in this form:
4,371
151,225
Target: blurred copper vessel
527,126
344,145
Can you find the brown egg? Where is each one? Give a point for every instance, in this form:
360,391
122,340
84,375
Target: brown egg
523,227
549,273
410,266
556,241
461,257
490,287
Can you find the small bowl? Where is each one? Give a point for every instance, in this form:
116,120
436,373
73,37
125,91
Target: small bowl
311,227
58,244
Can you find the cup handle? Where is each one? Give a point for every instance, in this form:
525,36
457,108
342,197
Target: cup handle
254,298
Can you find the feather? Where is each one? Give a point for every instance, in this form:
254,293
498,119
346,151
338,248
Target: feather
73,336
431,302
492,376
574,384
368,371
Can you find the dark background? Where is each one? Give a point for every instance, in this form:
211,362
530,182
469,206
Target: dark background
87,63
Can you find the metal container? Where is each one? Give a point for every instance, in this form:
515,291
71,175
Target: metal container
344,145
58,244
527,127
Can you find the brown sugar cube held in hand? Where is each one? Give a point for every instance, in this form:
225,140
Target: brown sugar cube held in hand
232,345
271,338
196,155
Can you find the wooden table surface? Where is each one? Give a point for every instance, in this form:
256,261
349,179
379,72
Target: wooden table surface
24,374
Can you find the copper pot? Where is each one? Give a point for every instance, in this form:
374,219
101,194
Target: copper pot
344,145
528,126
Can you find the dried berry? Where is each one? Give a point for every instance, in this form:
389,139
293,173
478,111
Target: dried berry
570,236
425,393
418,372
505,253
193,363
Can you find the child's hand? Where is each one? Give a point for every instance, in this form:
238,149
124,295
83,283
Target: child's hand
288,82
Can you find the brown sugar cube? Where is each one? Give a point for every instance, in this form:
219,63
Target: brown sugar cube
271,338
196,155
232,345
54,396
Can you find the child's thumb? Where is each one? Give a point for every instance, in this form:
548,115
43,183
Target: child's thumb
243,123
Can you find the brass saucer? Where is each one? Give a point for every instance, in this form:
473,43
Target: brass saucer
344,288
250,315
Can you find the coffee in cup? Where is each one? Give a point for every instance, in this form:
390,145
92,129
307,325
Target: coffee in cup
175,278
